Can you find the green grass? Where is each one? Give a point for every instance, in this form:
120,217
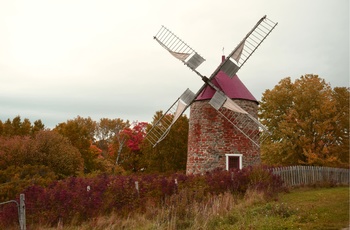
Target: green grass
306,208
326,208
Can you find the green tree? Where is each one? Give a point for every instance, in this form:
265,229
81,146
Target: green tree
170,155
304,120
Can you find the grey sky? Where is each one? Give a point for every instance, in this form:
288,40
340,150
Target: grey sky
61,59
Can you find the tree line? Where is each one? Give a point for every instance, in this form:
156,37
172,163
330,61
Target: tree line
81,147
106,145
308,121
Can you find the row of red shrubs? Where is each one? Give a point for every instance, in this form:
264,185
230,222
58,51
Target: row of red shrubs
84,198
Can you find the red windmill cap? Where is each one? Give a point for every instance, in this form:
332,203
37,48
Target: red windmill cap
232,87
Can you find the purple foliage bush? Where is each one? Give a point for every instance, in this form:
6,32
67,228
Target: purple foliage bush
80,199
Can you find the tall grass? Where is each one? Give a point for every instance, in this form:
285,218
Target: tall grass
177,212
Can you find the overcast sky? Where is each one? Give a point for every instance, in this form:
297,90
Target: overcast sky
60,59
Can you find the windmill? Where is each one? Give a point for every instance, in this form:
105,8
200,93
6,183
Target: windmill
239,118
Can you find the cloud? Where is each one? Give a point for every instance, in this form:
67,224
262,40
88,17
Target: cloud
98,59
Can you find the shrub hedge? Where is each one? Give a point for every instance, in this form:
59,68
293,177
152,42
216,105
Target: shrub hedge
79,199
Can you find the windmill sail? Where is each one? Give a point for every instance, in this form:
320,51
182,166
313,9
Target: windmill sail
162,126
238,52
244,50
179,49
245,123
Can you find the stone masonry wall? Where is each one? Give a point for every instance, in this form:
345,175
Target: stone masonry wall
211,136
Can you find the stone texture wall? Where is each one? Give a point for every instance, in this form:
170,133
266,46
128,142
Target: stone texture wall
211,136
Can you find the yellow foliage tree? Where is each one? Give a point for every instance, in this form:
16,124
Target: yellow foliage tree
309,122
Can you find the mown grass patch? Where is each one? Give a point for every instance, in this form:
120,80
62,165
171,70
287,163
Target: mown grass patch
305,208
326,208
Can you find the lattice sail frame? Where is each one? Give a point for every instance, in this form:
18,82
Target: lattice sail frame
244,122
233,62
162,126
244,50
178,48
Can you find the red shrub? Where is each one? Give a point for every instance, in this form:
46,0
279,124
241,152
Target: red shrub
84,198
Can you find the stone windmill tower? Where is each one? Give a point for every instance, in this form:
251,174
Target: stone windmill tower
213,141
224,130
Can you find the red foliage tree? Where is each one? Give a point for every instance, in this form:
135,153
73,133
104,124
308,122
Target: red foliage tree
135,135
129,153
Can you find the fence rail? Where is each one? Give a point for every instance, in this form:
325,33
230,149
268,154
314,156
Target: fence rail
307,175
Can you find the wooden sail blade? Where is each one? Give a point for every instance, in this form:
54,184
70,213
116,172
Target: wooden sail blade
162,126
178,48
248,46
245,123
244,50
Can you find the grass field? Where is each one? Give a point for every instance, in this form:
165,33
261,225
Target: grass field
303,208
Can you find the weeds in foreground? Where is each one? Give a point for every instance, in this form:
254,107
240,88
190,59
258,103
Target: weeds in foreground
299,209
77,200
177,212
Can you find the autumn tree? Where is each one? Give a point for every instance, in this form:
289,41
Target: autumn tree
135,136
14,180
55,151
46,148
308,121
19,127
170,155
341,95
1,128
38,126
126,148
81,133
109,133
7,129
14,151
27,160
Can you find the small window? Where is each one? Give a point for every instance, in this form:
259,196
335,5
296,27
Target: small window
233,161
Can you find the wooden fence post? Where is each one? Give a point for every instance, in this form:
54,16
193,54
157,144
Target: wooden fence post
176,185
22,212
137,188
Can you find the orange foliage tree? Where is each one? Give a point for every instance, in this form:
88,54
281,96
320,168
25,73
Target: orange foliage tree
81,133
309,122
27,160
